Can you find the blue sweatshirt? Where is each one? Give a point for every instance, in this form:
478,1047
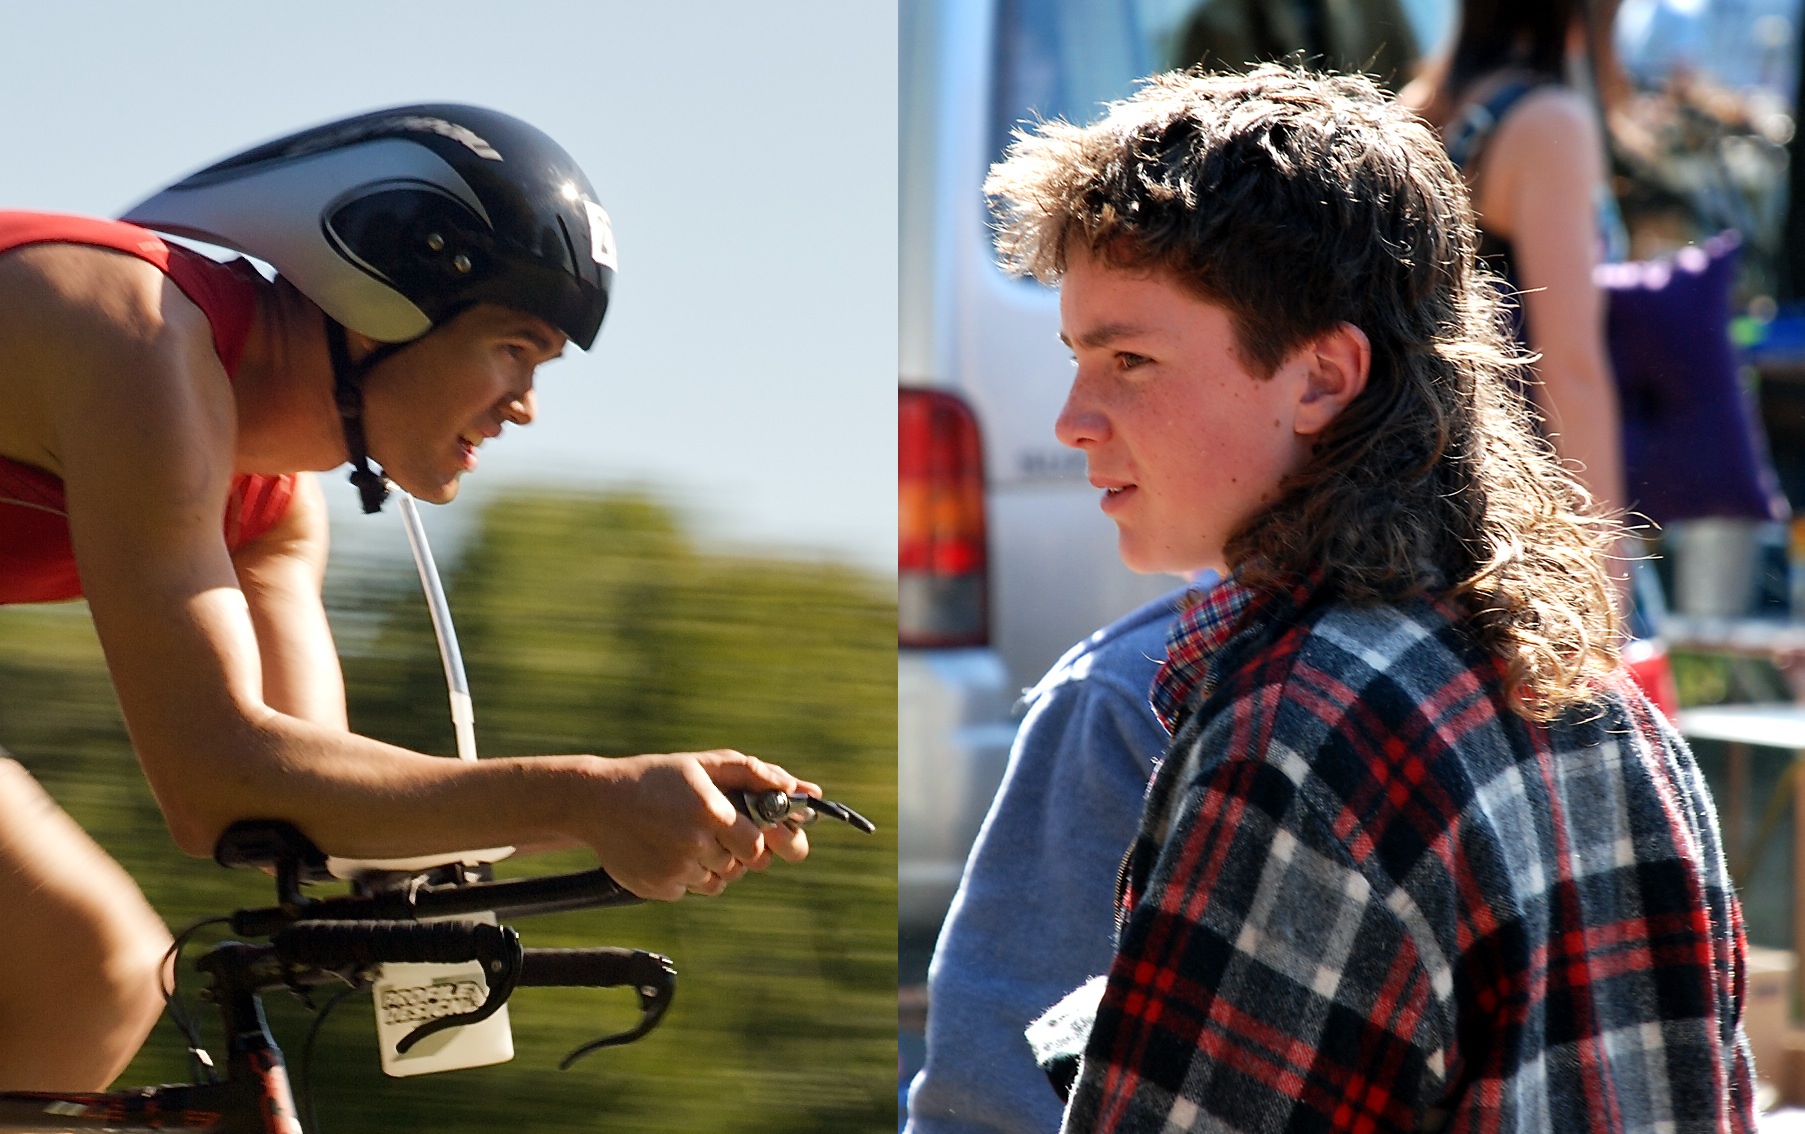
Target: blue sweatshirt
1034,916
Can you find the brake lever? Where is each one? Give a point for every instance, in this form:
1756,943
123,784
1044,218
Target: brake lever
656,990
500,972
769,808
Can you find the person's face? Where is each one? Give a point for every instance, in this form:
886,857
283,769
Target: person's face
1186,443
429,407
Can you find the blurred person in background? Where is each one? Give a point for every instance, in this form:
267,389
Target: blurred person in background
153,393
1509,99
1372,36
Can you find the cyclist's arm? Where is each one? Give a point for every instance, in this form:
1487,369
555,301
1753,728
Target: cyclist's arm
146,465
280,574
143,424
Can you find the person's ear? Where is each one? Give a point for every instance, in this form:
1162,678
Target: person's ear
1336,365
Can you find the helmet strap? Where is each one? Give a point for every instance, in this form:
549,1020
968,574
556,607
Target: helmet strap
347,392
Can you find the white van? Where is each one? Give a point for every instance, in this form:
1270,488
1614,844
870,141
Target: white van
1004,557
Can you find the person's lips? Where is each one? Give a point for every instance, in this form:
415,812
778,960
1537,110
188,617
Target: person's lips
1116,493
468,442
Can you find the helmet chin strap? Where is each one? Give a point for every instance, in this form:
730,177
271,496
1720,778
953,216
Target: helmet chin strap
347,392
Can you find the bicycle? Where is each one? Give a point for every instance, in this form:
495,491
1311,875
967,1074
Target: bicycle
343,940
346,940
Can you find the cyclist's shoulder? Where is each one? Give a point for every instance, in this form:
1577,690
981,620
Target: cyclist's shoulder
76,283
89,306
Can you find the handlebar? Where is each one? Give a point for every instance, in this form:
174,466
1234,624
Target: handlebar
651,975
386,920
296,861
309,953
358,945
449,891
599,967
518,897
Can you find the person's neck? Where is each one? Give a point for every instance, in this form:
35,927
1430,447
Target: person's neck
287,419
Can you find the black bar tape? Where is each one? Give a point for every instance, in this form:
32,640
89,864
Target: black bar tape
361,944
591,968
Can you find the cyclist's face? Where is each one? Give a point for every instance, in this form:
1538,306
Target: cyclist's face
428,408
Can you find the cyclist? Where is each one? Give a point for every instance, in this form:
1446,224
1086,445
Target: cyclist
164,414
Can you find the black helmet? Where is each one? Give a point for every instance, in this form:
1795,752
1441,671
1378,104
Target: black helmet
395,221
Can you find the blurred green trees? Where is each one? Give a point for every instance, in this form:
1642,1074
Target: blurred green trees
588,624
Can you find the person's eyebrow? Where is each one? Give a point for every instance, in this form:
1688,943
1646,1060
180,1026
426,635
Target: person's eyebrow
543,342
1102,336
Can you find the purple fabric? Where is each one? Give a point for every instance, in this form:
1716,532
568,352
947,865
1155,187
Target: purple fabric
1691,443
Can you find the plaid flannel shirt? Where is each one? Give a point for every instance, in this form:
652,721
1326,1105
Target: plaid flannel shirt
1366,896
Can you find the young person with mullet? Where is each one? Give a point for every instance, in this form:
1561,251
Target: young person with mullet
1420,856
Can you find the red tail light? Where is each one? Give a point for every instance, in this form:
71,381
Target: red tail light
942,565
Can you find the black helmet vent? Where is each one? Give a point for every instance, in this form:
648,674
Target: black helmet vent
569,247
420,239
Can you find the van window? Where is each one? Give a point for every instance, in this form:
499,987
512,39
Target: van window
1064,58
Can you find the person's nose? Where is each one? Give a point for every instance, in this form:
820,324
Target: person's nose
520,410
1081,420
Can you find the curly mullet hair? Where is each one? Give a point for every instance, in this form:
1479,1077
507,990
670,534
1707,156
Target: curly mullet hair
1300,201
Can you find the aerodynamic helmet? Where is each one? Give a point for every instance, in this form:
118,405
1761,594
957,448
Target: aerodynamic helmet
394,221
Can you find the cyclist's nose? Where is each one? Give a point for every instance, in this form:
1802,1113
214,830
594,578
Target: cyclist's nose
520,410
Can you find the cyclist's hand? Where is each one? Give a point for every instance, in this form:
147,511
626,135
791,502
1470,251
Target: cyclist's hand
666,828
735,770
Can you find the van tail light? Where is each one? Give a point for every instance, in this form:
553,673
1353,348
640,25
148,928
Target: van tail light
942,564
1649,667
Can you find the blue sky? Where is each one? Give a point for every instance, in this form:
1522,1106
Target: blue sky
746,154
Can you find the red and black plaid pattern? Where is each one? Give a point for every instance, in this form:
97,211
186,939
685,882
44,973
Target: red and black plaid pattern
1201,629
1367,897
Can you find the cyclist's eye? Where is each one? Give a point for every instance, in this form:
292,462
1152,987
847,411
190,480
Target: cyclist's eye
1128,360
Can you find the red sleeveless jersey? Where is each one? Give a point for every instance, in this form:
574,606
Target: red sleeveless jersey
37,563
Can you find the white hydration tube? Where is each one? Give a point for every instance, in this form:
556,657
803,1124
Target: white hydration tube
463,715
457,685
